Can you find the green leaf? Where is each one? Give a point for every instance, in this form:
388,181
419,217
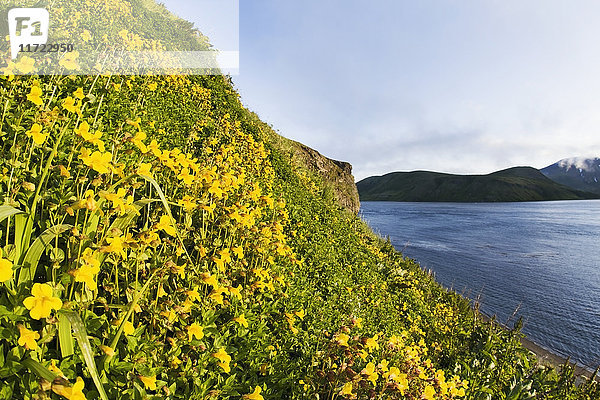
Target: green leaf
8,211
35,251
65,338
80,334
20,224
39,369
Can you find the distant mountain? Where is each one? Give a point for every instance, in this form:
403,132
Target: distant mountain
576,173
513,184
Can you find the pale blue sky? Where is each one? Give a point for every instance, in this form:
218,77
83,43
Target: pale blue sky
462,86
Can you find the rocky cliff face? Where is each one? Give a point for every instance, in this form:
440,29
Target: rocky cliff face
338,174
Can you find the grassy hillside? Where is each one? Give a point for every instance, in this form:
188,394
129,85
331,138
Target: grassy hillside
513,184
159,242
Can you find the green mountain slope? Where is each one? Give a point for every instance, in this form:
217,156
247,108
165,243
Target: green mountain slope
159,241
513,184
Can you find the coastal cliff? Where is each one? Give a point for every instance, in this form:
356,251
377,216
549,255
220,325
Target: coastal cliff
335,175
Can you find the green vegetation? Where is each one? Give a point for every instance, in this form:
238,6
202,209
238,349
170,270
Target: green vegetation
513,184
178,252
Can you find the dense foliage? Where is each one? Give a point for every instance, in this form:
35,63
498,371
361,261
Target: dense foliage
156,243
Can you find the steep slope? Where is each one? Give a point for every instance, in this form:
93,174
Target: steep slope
577,173
513,184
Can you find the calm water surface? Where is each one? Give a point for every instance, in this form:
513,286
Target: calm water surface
542,258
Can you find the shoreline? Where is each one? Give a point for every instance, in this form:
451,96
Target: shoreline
545,356
548,358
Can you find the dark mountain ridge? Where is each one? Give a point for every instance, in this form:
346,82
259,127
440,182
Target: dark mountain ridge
509,185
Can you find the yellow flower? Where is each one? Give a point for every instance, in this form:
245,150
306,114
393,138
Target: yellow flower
42,302
115,245
138,140
429,393
36,133
69,61
187,203
166,225
300,314
144,169
241,320
99,162
238,251
342,339
220,263
28,338
119,201
35,95
395,341
74,392
54,368
254,395
209,279
6,269
153,147
90,202
346,389
128,328
25,65
222,355
86,35
216,190
109,351
87,274
149,382
217,294
371,374
79,94
195,330
84,131
185,176
170,315
371,343
224,359
357,322
161,291
152,86
69,105
225,255
383,365
64,172
235,292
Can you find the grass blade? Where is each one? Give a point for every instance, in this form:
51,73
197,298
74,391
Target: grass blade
35,251
165,203
65,338
39,369
80,334
8,211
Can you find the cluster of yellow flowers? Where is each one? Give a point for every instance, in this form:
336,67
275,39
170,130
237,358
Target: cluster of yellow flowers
391,366
216,240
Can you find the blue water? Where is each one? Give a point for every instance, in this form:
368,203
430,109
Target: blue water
542,258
